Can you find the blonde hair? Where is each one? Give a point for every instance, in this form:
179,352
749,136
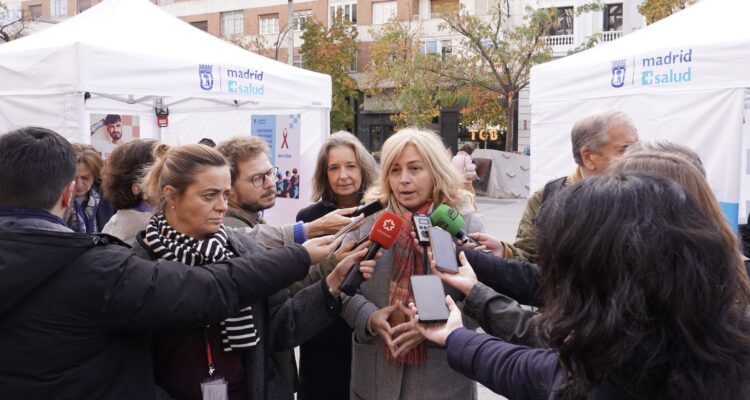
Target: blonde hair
446,184
178,168
320,186
87,155
690,177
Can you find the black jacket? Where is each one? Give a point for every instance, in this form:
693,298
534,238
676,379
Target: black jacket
281,323
325,360
514,278
76,309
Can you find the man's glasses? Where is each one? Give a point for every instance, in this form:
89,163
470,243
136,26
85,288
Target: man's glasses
258,179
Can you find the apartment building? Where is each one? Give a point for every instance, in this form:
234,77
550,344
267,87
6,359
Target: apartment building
271,23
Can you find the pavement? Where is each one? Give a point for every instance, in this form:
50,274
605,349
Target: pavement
500,218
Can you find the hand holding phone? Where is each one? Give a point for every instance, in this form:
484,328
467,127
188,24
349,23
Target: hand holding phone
349,226
443,250
429,297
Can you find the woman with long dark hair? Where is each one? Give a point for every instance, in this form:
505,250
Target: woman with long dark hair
343,172
643,299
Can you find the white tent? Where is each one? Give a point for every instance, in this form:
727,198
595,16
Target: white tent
683,79
129,56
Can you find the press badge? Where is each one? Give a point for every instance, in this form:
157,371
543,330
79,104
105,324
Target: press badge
214,388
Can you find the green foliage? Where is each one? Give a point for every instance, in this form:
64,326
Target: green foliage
331,51
397,78
655,10
497,55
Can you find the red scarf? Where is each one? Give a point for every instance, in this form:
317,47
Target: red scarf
406,262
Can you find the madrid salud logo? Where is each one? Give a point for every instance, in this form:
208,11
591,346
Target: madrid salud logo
618,73
389,225
205,72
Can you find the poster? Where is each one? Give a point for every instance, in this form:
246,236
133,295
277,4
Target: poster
110,130
282,133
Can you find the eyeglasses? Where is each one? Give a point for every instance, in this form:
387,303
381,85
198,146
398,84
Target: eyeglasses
258,179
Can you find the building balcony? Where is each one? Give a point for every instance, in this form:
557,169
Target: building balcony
609,36
559,40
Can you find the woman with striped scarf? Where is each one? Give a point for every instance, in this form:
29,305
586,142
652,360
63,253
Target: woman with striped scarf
232,358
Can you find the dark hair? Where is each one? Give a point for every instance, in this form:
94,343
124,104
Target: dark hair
240,149
207,142
35,166
641,291
178,168
467,147
111,119
125,167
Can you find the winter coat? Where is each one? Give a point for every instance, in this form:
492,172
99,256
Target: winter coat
376,378
281,323
76,310
326,359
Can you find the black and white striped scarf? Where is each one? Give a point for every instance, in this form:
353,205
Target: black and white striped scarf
236,333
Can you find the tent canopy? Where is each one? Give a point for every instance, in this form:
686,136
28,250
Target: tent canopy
132,47
682,79
129,57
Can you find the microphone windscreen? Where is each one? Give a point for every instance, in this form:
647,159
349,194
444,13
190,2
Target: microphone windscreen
447,218
386,228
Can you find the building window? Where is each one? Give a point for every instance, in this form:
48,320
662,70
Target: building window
613,17
83,5
269,24
202,25
58,8
563,23
431,47
300,17
347,10
382,12
297,61
353,64
232,23
446,48
442,47
35,11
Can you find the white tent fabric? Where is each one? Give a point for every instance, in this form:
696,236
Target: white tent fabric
682,79
130,56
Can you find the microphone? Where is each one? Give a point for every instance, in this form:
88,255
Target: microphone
368,209
450,220
383,234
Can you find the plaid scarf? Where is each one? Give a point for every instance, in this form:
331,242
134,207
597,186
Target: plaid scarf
236,333
406,262
82,218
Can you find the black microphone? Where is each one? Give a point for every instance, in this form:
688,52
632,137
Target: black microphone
383,234
368,209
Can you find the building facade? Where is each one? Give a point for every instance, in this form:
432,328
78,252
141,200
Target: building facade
268,26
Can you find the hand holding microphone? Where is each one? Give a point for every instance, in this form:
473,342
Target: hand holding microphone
450,220
383,234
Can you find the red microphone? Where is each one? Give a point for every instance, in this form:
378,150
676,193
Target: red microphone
383,234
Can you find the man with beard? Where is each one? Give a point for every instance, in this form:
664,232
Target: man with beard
253,191
113,124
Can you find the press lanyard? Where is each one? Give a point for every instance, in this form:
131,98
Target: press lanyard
209,356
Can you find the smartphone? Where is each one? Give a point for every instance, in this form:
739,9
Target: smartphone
349,226
422,225
429,297
361,240
443,250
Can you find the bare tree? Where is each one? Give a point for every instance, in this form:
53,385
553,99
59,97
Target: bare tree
12,24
